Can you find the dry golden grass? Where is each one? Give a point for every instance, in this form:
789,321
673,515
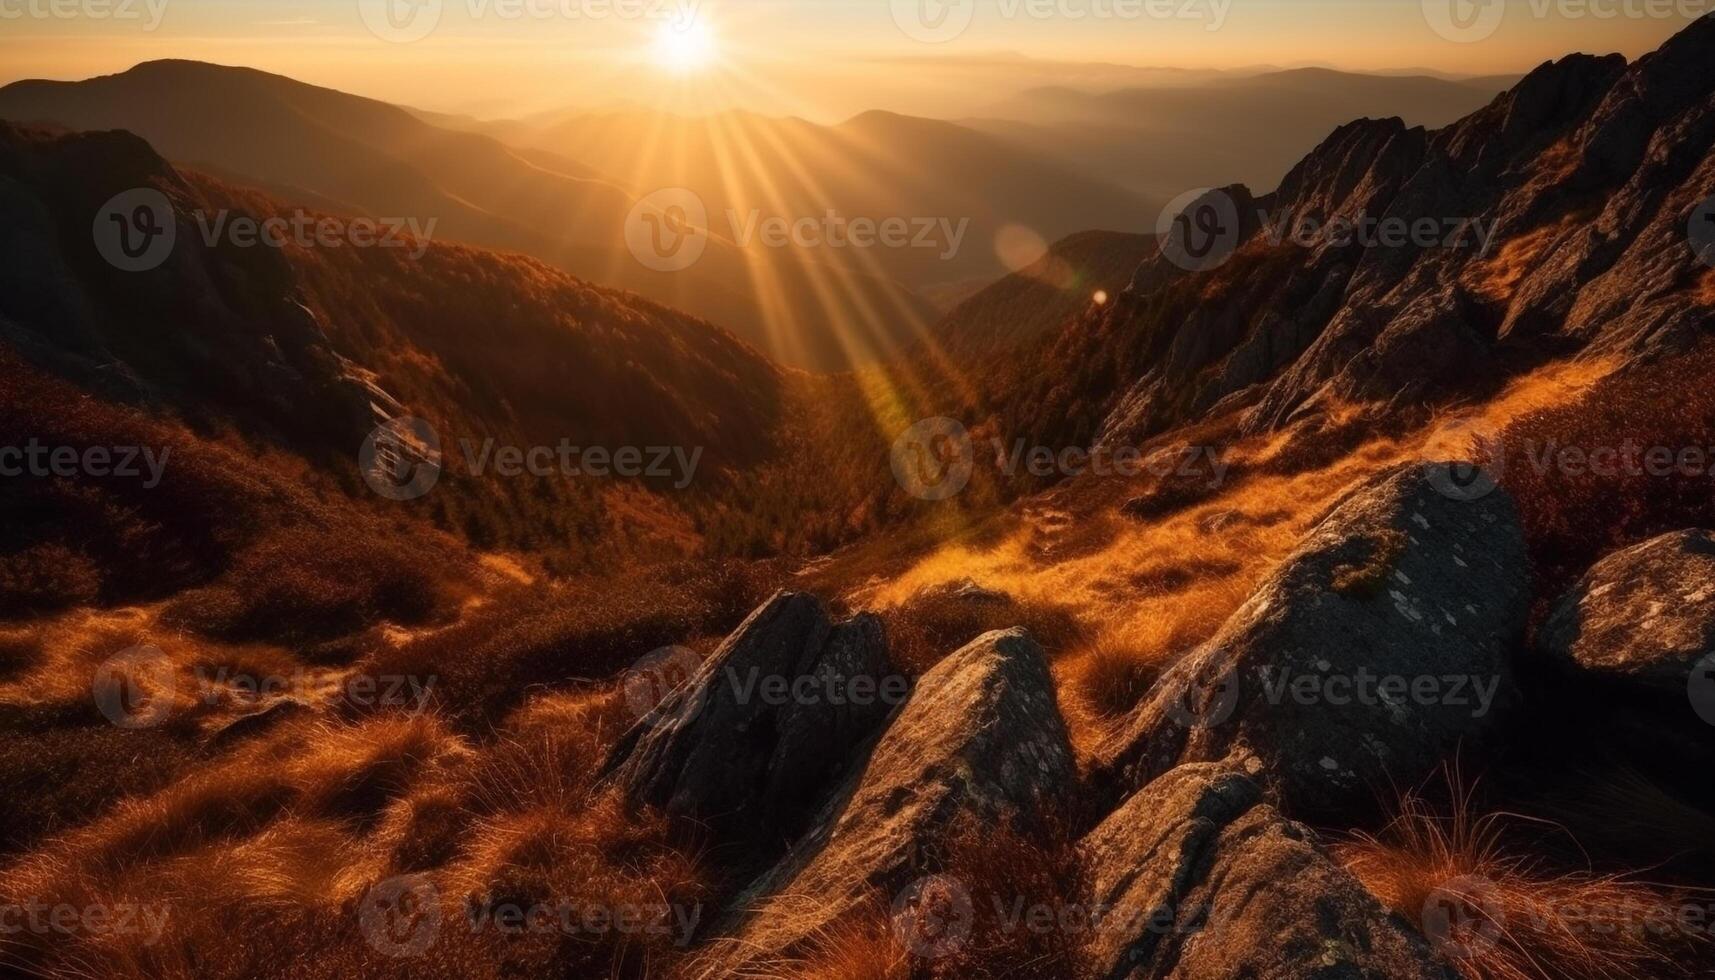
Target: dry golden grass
1158,588
1500,913
861,945
1111,680
1497,278
282,836
273,826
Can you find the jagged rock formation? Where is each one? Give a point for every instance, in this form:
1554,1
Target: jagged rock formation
1371,652
210,327
1559,219
1644,616
981,737
1200,878
754,741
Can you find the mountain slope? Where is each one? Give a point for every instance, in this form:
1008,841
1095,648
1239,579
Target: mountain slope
313,144
1079,270
876,165
305,350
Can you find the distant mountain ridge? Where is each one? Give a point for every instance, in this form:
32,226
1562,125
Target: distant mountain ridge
875,164
373,158
1163,140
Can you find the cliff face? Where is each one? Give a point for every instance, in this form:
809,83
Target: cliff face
1554,219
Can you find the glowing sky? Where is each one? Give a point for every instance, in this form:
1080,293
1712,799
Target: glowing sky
816,57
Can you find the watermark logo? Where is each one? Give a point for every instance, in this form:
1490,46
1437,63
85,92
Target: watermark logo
135,230
1209,700
1701,232
1701,688
135,688
1465,21
1463,918
934,459
652,680
668,230
934,21
1449,456
933,916
401,458
1199,230
401,916
400,21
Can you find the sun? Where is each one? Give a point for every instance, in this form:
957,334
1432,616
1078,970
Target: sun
685,46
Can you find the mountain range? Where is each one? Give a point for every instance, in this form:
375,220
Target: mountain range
1159,141
978,201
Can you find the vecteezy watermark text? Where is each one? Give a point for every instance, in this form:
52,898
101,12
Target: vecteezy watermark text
305,230
137,230
101,462
1201,229
404,21
149,12
669,230
565,459
401,459
568,917
832,230
1472,21
941,21
366,690
1369,689
93,919
935,459
403,917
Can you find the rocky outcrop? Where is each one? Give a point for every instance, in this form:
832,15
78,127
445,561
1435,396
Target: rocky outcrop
1554,219
754,741
209,327
981,739
1644,616
1199,878
1372,652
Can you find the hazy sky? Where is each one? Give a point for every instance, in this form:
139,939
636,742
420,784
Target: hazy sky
816,57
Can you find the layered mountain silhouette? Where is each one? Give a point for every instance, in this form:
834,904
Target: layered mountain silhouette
350,154
562,187
874,165
1161,140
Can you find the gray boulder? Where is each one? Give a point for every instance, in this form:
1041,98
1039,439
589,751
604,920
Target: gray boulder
1198,877
1644,615
1361,662
981,739
759,735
